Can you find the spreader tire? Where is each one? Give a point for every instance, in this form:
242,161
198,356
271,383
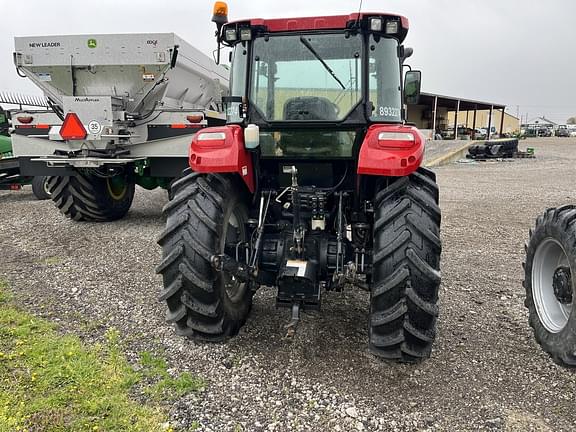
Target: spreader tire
40,187
87,197
551,251
205,213
406,268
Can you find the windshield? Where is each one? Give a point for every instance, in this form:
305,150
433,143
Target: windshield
306,78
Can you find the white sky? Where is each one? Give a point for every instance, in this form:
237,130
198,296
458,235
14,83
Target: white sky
517,52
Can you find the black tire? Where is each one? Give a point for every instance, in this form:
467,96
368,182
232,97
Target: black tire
555,226
86,197
40,187
406,268
198,220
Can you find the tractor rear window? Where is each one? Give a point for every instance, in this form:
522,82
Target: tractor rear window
306,77
308,143
384,82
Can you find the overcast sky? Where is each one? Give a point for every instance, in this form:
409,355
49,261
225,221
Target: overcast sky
516,52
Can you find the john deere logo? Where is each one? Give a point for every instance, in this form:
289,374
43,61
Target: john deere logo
91,43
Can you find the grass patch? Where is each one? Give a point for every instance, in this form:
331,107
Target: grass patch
163,385
56,383
53,260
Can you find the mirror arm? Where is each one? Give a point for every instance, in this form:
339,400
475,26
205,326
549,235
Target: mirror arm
218,38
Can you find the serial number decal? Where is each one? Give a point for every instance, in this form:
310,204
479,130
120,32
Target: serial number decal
388,111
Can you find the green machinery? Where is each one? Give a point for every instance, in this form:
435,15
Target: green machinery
10,178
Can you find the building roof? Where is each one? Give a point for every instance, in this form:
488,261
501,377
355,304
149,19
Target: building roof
451,102
542,121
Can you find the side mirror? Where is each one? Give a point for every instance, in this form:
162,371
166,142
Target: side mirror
404,53
412,84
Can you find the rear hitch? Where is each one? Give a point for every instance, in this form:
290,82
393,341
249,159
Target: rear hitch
291,326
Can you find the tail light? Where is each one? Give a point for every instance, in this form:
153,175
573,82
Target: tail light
396,139
72,128
25,119
195,118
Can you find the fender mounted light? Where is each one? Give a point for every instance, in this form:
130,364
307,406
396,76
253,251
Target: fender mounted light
211,136
396,139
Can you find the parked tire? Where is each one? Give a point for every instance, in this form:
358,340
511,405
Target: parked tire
406,268
206,212
548,280
40,187
87,197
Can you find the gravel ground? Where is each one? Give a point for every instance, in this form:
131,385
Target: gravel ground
486,372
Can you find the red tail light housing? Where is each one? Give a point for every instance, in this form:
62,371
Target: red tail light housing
72,128
195,118
25,119
391,150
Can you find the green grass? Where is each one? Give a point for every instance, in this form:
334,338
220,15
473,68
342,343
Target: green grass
51,382
53,260
164,386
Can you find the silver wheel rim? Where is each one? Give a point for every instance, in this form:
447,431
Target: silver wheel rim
548,257
46,186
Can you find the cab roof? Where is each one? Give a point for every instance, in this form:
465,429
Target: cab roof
323,22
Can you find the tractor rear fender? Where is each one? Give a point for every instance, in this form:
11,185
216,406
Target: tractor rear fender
221,150
391,150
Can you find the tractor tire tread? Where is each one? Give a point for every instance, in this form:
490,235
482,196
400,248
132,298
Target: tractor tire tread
406,269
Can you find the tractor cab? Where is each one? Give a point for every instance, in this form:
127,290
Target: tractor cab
313,86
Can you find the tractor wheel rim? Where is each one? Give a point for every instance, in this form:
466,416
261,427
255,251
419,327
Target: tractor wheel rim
549,257
234,288
116,187
46,186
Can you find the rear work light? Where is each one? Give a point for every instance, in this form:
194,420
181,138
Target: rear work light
230,35
245,34
72,128
391,27
376,24
396,139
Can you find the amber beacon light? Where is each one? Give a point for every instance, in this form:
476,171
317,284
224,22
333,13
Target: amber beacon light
220,13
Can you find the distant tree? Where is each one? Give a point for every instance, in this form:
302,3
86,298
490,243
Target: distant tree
571,120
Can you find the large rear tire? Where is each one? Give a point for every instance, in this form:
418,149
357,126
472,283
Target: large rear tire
87,197
406,268
548,280
206,213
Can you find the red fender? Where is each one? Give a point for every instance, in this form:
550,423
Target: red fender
221,150
391,150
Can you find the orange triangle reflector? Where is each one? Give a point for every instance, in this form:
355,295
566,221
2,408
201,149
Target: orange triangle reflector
72,128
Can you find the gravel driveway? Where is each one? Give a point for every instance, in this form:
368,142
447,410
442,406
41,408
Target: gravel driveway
486,372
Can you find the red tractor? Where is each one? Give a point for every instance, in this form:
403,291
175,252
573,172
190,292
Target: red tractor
314,184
